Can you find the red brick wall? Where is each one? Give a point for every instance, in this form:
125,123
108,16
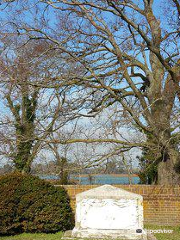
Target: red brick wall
161,203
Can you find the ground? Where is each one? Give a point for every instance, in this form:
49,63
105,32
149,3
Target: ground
166,236
37,236
27,236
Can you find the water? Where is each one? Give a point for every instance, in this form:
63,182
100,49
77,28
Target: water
97,179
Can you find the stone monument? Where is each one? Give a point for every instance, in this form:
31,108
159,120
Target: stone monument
109,212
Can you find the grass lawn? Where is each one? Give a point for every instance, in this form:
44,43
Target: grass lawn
36,236
166,236
28,236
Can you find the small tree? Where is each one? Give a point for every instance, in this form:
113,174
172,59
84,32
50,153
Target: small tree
31,107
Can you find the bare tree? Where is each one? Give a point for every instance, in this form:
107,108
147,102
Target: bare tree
31,110
131,56
127,55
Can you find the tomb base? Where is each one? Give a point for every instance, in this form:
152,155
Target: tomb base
106,234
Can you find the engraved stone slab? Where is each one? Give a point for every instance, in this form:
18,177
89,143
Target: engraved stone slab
109,212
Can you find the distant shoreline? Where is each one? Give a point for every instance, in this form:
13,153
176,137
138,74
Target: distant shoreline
111,174
89,179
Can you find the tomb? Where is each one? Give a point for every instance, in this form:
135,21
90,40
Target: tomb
109,212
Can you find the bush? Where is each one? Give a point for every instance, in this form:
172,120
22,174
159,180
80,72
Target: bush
29,204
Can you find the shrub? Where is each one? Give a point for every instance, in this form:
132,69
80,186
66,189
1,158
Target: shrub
29,204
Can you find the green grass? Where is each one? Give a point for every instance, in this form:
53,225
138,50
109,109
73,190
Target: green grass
35,236
40,236
166,236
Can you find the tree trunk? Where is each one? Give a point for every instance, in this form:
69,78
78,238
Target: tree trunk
167,173
24,143
63,175
22,163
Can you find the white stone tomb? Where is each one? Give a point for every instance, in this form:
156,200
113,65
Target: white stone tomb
109,212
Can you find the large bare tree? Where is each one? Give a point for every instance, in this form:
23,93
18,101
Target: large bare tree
127,52
130,52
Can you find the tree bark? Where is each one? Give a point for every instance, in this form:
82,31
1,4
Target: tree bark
167,174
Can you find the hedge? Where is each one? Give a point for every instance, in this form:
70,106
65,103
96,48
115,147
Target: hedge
30,204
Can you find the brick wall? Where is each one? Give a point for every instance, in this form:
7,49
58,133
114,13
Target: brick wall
161,203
